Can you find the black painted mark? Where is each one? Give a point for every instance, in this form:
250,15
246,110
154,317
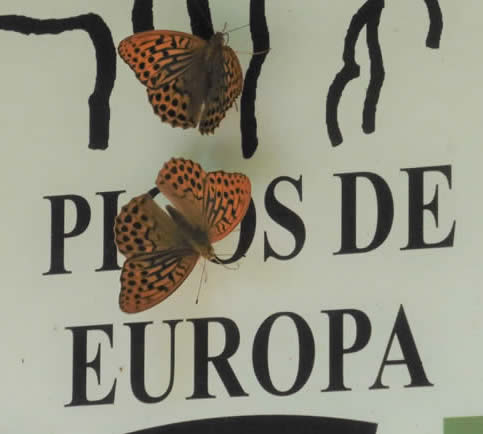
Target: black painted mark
351,70
377,72
200,16
435,23
142,16
202,26
264,424
261,44
369,15
153,192
94,25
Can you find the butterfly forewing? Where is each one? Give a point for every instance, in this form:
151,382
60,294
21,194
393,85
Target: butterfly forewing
226,198
158,57
182,182
148,279
172,103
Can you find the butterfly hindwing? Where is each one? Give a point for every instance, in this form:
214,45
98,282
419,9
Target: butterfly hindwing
224,93
148,279
173,104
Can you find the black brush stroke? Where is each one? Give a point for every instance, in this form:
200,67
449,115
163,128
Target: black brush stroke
263,424
261,43
94,25
435,23
153,192
369,15
202,26
376,72
142,16
350,70
200,16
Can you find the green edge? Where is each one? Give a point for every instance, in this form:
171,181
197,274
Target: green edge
463,425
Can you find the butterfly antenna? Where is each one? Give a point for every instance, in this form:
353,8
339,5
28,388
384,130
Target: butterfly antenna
201,281
227,254
256,53
236,28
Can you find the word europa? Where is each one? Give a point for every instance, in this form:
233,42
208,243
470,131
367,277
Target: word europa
305,347
279,213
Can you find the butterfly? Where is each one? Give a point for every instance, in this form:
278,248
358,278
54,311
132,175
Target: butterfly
162,248
189,80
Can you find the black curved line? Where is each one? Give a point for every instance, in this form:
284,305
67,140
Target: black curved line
377,73
94,25
350,70
142,16
268,423
261,42
435,23
200,16
153,192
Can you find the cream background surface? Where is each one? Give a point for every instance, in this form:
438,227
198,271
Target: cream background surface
430,113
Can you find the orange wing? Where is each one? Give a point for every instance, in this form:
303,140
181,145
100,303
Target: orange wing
182,182
143,227
159,59
225,202
215,202
148,279
172,104
158,257
159,56
220,99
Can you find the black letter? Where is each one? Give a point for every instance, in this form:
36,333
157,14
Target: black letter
385,212
80,365
410,355
110,211
58,228
306,354
336,343
285,218
138,382
417,207
220,362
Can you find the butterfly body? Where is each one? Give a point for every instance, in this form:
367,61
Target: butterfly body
162,248
195,237
189,81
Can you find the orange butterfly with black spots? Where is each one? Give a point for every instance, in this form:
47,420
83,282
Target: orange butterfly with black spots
189,80
162,248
